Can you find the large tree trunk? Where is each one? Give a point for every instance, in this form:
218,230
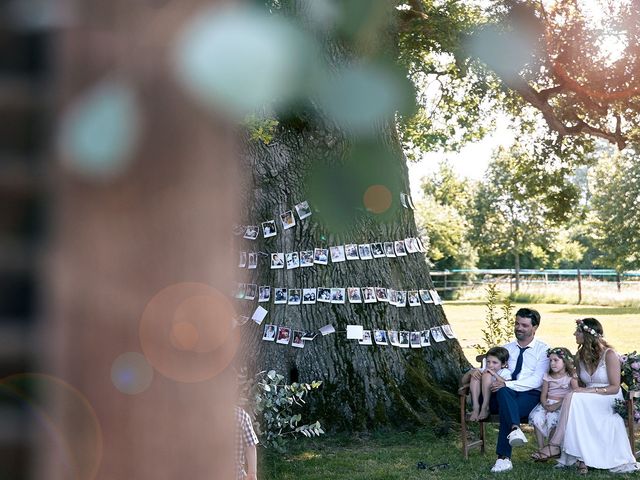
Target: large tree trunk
364,386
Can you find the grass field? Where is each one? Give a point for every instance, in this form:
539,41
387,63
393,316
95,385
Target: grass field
389,455
621,324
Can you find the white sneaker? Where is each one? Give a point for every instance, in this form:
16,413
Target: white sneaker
516,438
502,465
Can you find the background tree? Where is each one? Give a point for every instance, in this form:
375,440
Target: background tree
614,220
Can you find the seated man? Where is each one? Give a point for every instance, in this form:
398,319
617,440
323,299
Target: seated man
514,399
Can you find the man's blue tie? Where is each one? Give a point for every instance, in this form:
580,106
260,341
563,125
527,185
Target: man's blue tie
516,371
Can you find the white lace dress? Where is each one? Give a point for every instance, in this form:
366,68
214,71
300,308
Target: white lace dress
594,433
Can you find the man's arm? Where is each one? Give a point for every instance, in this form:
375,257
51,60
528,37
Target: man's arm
252,462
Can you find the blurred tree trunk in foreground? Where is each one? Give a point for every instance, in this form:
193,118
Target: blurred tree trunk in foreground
139,263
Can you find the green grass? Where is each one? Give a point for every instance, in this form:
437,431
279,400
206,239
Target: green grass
394,455
621,324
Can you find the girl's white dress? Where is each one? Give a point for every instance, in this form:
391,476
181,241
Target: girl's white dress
594,433
539,417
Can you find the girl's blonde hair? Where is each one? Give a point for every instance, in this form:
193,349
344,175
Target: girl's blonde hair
566,356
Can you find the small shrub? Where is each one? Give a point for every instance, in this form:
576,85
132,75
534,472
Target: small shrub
499,322
275,405
260,128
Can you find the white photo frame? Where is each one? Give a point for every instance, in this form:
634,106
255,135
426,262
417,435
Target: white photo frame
389,250
364,250
425,296
297,340
321,256
292,260
425,341
251,232
283,336
403,338
264,293
306,258
380,337
303,210
366,338
436,333
337,254
369,295
399,247
351,251
309,296
394,340
242,261
252,262
337,295
377,250
280,296
354,295
324,294
382,294
294,297
277,260
414,298
287,219
269,229
269,334
414,340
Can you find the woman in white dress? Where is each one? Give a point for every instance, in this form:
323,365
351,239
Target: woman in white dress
589,432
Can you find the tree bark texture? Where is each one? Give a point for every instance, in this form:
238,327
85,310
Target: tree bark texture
363,386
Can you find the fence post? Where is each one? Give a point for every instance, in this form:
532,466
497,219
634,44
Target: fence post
579,287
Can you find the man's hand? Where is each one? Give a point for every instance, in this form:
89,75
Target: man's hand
498,383
476,373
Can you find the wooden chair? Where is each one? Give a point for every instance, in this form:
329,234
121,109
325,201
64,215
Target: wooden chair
631,424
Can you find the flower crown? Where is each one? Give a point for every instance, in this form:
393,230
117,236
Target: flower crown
559,351
588,329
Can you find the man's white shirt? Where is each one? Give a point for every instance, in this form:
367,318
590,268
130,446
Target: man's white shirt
535,364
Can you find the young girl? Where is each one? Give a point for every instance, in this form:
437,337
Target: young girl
496,361
556,384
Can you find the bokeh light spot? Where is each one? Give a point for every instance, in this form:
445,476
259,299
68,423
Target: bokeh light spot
186,332
131,373
377,199
99,131
240,59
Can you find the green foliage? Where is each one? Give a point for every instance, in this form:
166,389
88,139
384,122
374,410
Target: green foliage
614,218
499,322
261,128
275,404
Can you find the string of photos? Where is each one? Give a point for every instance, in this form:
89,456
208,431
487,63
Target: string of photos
285,335
309,296
339,253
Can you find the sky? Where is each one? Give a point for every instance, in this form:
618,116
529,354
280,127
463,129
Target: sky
470,162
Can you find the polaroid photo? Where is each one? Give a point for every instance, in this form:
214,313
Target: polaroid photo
401,298
448,331
414,339
420,244
251,232
297,339
351,250
264,293
293,260
382,294
403,339
426,296
377,250
365,251
369,294
425,341
269,229
366,338
436,333
243,260
308,296
337,253
259,315
410,244
388,250
392,296
354,332
337,295
354,295
277,260
241,320
436,298
294,296
414,298
269,333
399,248
279,295
393,338
238,229
288,220
321,256
324,294
380,337
253,261
309,336
412,205
403,200
303,210
306,258
283,335
327,330
252,290
242,289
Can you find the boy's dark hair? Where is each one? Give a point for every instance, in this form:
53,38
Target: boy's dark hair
500,353
531,314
